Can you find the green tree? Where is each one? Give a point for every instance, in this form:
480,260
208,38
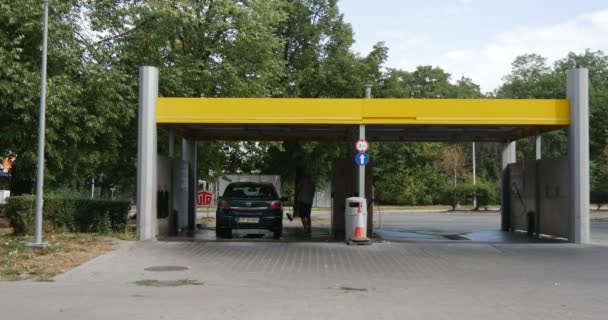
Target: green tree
406,173
532,78
20,56
319,63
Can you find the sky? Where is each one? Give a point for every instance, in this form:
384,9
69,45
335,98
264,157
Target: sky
478,39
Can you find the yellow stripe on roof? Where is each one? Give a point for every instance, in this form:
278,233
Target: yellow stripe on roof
542,112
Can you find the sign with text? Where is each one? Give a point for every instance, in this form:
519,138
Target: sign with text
362,145
204,199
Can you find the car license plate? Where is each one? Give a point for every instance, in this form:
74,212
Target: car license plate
249,220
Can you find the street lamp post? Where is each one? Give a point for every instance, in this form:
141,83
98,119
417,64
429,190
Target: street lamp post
41,128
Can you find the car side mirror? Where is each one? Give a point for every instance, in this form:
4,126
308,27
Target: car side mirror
284,199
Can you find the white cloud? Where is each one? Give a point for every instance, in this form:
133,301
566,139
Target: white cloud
487,64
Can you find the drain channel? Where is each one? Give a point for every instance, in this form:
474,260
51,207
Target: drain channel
166,268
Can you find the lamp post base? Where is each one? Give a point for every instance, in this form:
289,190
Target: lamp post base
42,245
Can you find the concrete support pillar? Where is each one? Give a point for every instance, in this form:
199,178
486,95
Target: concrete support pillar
189,154
147,153
578,155
474,174
193,183
171,143
509,155
184,149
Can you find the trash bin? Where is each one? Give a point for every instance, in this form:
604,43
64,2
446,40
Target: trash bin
355,217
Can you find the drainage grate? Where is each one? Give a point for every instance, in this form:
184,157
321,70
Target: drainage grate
166,268
456,237
254,236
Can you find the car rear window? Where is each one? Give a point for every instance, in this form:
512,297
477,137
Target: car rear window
250,192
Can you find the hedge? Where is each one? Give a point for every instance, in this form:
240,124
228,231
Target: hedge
67,214
599,197
487,194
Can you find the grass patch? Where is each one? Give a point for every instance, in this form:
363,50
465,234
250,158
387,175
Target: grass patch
10,272
167,283
126,236
65,251
351,289
146,283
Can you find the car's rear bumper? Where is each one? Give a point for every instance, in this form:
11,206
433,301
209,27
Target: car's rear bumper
228,221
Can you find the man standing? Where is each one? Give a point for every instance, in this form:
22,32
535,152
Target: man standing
305,194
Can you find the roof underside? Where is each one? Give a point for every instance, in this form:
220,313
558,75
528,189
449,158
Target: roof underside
491,120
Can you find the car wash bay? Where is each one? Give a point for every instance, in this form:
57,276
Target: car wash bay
554,192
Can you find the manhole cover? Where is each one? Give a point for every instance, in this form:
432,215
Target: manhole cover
166,268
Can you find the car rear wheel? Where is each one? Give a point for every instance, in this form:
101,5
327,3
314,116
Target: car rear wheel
223,233
276,234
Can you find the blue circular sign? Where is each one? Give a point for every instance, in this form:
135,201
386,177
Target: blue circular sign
362,158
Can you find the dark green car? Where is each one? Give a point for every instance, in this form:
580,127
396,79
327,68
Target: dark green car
249,205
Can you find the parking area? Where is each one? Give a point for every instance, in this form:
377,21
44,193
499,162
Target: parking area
316,280
396,225
304,280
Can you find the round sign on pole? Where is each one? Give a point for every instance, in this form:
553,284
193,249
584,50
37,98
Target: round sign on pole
362,145
362,158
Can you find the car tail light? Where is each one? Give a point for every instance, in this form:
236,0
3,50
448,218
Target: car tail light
275,205
223,204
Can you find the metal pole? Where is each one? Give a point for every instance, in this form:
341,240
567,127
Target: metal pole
538,141
368,91
368,95
92,188
474,177
362,168
41,130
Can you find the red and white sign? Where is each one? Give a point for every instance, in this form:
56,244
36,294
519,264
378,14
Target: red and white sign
362,145
204,199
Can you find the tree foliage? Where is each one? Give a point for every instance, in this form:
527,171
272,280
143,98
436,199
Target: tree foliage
531,77
245,48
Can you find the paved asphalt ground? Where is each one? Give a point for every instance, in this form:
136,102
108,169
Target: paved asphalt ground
308,280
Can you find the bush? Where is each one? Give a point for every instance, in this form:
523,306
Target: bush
67,214
453,196
599,198
20,211
487,194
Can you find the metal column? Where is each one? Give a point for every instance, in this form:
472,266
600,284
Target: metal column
361,168
538,146
193,183
147,153
509,155
578,155
474,175
41,136
189,154
171,143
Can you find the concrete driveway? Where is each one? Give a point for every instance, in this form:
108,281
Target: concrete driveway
286,280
